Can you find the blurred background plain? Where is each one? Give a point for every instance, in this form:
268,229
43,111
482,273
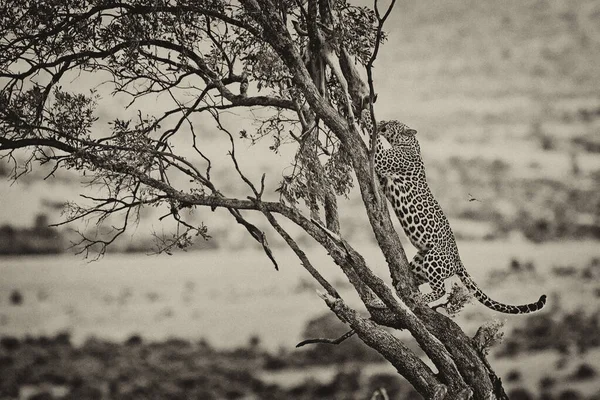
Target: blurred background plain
505,97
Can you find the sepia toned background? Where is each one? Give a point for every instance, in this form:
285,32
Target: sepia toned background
505,97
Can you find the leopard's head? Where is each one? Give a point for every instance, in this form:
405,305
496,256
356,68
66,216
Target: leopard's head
397,133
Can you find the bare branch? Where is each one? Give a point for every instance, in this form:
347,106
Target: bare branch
327,341
372,96
301,254
8,144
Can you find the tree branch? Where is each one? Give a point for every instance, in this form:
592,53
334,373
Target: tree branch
393,349
9,144
327,341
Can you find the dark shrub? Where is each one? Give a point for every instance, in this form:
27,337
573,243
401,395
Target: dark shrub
346,382
564,271
513,375
595,396
63,338
540,332
570,394
589,142
546,396
325,392
515,265
6,362
547,382
584,372
42,396
273,362
583,329
561,363
44,341
234,394
16,298
177,343
520,394
510,348
9,343
134,340
56,378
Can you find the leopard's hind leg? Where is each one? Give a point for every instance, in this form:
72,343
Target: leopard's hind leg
437,267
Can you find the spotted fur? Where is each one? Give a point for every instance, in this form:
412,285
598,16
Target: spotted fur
401,173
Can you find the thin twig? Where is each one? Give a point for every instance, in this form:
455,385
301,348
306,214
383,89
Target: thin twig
327,341
256,233
369,67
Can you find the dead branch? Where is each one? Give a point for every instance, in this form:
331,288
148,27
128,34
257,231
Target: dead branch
327,341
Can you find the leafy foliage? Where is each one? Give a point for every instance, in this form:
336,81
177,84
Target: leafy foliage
197,54
357,29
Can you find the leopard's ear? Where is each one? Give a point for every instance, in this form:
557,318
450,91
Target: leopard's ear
411,132
381,126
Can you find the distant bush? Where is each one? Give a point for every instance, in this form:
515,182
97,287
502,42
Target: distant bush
547,383
589,142
545,141
513,376
9,343
550,331
345,385
545,396
274,363
6,362
564,270
87,392
511,347
329,326
520,394
16,298
584,372
592,270
594,396
570,394
63,338
346,382
4,171
42,396
161,370
134,340
562,362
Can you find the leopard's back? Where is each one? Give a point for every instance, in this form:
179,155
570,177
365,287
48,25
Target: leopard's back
418,211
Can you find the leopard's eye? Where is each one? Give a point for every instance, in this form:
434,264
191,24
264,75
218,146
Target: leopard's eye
383,129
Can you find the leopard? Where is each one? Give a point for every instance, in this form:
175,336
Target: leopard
401,173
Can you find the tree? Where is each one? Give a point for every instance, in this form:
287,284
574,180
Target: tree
296,65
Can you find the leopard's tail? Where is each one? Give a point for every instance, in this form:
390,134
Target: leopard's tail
493,304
